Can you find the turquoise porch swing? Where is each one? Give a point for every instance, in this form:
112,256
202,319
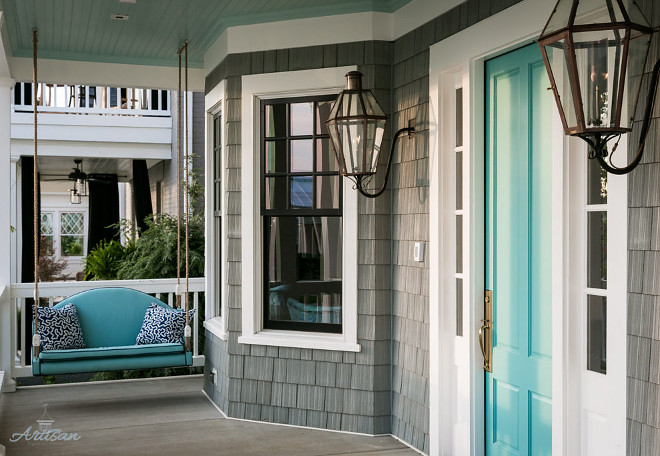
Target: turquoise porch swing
112,328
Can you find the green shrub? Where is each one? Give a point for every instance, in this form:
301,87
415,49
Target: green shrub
154,256
104,261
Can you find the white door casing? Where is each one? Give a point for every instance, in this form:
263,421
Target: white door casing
576,392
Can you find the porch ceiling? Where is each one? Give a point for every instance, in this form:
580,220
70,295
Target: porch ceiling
82,30
58,168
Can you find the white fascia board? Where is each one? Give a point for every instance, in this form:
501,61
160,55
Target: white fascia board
315,31
419,12
87,149
105,74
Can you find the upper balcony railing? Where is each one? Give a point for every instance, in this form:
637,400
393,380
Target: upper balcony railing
96,100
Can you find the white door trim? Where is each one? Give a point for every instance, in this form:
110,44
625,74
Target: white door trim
468,50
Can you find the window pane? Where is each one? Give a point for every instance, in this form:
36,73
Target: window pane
597,249
325,156
309,288
275,193
459,117
275,120
47,223
322,114
459,307
47,247
72,223
459,243
302,191
72,245
275,158
459,180
596,183
302,156
597,334
302,119
327,192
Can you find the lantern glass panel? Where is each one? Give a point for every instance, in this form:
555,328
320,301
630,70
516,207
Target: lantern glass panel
334,129
557,57
598,55
353,145
371,105
559,18
598,11
637,55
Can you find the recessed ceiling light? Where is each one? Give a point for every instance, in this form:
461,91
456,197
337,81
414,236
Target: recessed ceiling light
119,17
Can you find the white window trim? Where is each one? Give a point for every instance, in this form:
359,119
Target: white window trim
277,85
217,325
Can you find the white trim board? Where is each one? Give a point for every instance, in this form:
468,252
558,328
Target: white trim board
315,31
466,52
213,104
279,85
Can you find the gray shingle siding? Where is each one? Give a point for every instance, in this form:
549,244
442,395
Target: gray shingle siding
385,387
643,351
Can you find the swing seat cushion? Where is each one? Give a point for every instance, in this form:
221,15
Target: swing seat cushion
111,352
110,320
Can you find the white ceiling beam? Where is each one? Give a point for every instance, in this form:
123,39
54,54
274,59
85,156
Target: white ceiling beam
104,74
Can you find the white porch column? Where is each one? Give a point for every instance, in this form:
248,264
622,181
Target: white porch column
6,333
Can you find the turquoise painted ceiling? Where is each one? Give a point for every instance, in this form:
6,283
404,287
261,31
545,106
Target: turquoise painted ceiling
83,29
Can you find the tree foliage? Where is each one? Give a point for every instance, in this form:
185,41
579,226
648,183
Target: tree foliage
153,255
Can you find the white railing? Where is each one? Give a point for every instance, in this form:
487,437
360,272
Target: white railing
54,292
81,99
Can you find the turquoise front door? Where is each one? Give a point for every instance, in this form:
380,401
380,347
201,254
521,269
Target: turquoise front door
518,253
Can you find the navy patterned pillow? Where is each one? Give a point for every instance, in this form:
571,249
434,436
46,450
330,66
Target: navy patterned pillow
162,325
59,329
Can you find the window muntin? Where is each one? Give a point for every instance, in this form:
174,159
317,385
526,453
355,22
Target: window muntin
301,209
596,267
217,211
72,233
458,210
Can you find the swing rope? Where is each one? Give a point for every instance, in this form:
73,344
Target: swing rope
36,342
186,177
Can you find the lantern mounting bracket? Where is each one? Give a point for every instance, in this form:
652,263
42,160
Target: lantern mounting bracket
361,180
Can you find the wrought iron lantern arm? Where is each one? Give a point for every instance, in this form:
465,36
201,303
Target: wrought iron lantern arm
359,180
600,144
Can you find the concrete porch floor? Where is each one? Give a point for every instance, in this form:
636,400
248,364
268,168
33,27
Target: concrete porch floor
168,416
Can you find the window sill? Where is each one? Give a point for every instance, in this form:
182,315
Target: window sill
215,327
295,339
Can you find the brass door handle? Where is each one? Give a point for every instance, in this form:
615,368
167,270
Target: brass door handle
486,339
481,340
486,351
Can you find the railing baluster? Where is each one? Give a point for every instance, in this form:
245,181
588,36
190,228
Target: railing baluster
50,301
196,324
169,299
24,327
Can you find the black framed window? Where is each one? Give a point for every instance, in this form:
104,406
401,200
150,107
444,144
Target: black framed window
217,210
301,212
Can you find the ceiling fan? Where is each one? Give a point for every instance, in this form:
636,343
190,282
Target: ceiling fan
79,178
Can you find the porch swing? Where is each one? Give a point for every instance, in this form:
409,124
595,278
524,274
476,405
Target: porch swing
106,329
